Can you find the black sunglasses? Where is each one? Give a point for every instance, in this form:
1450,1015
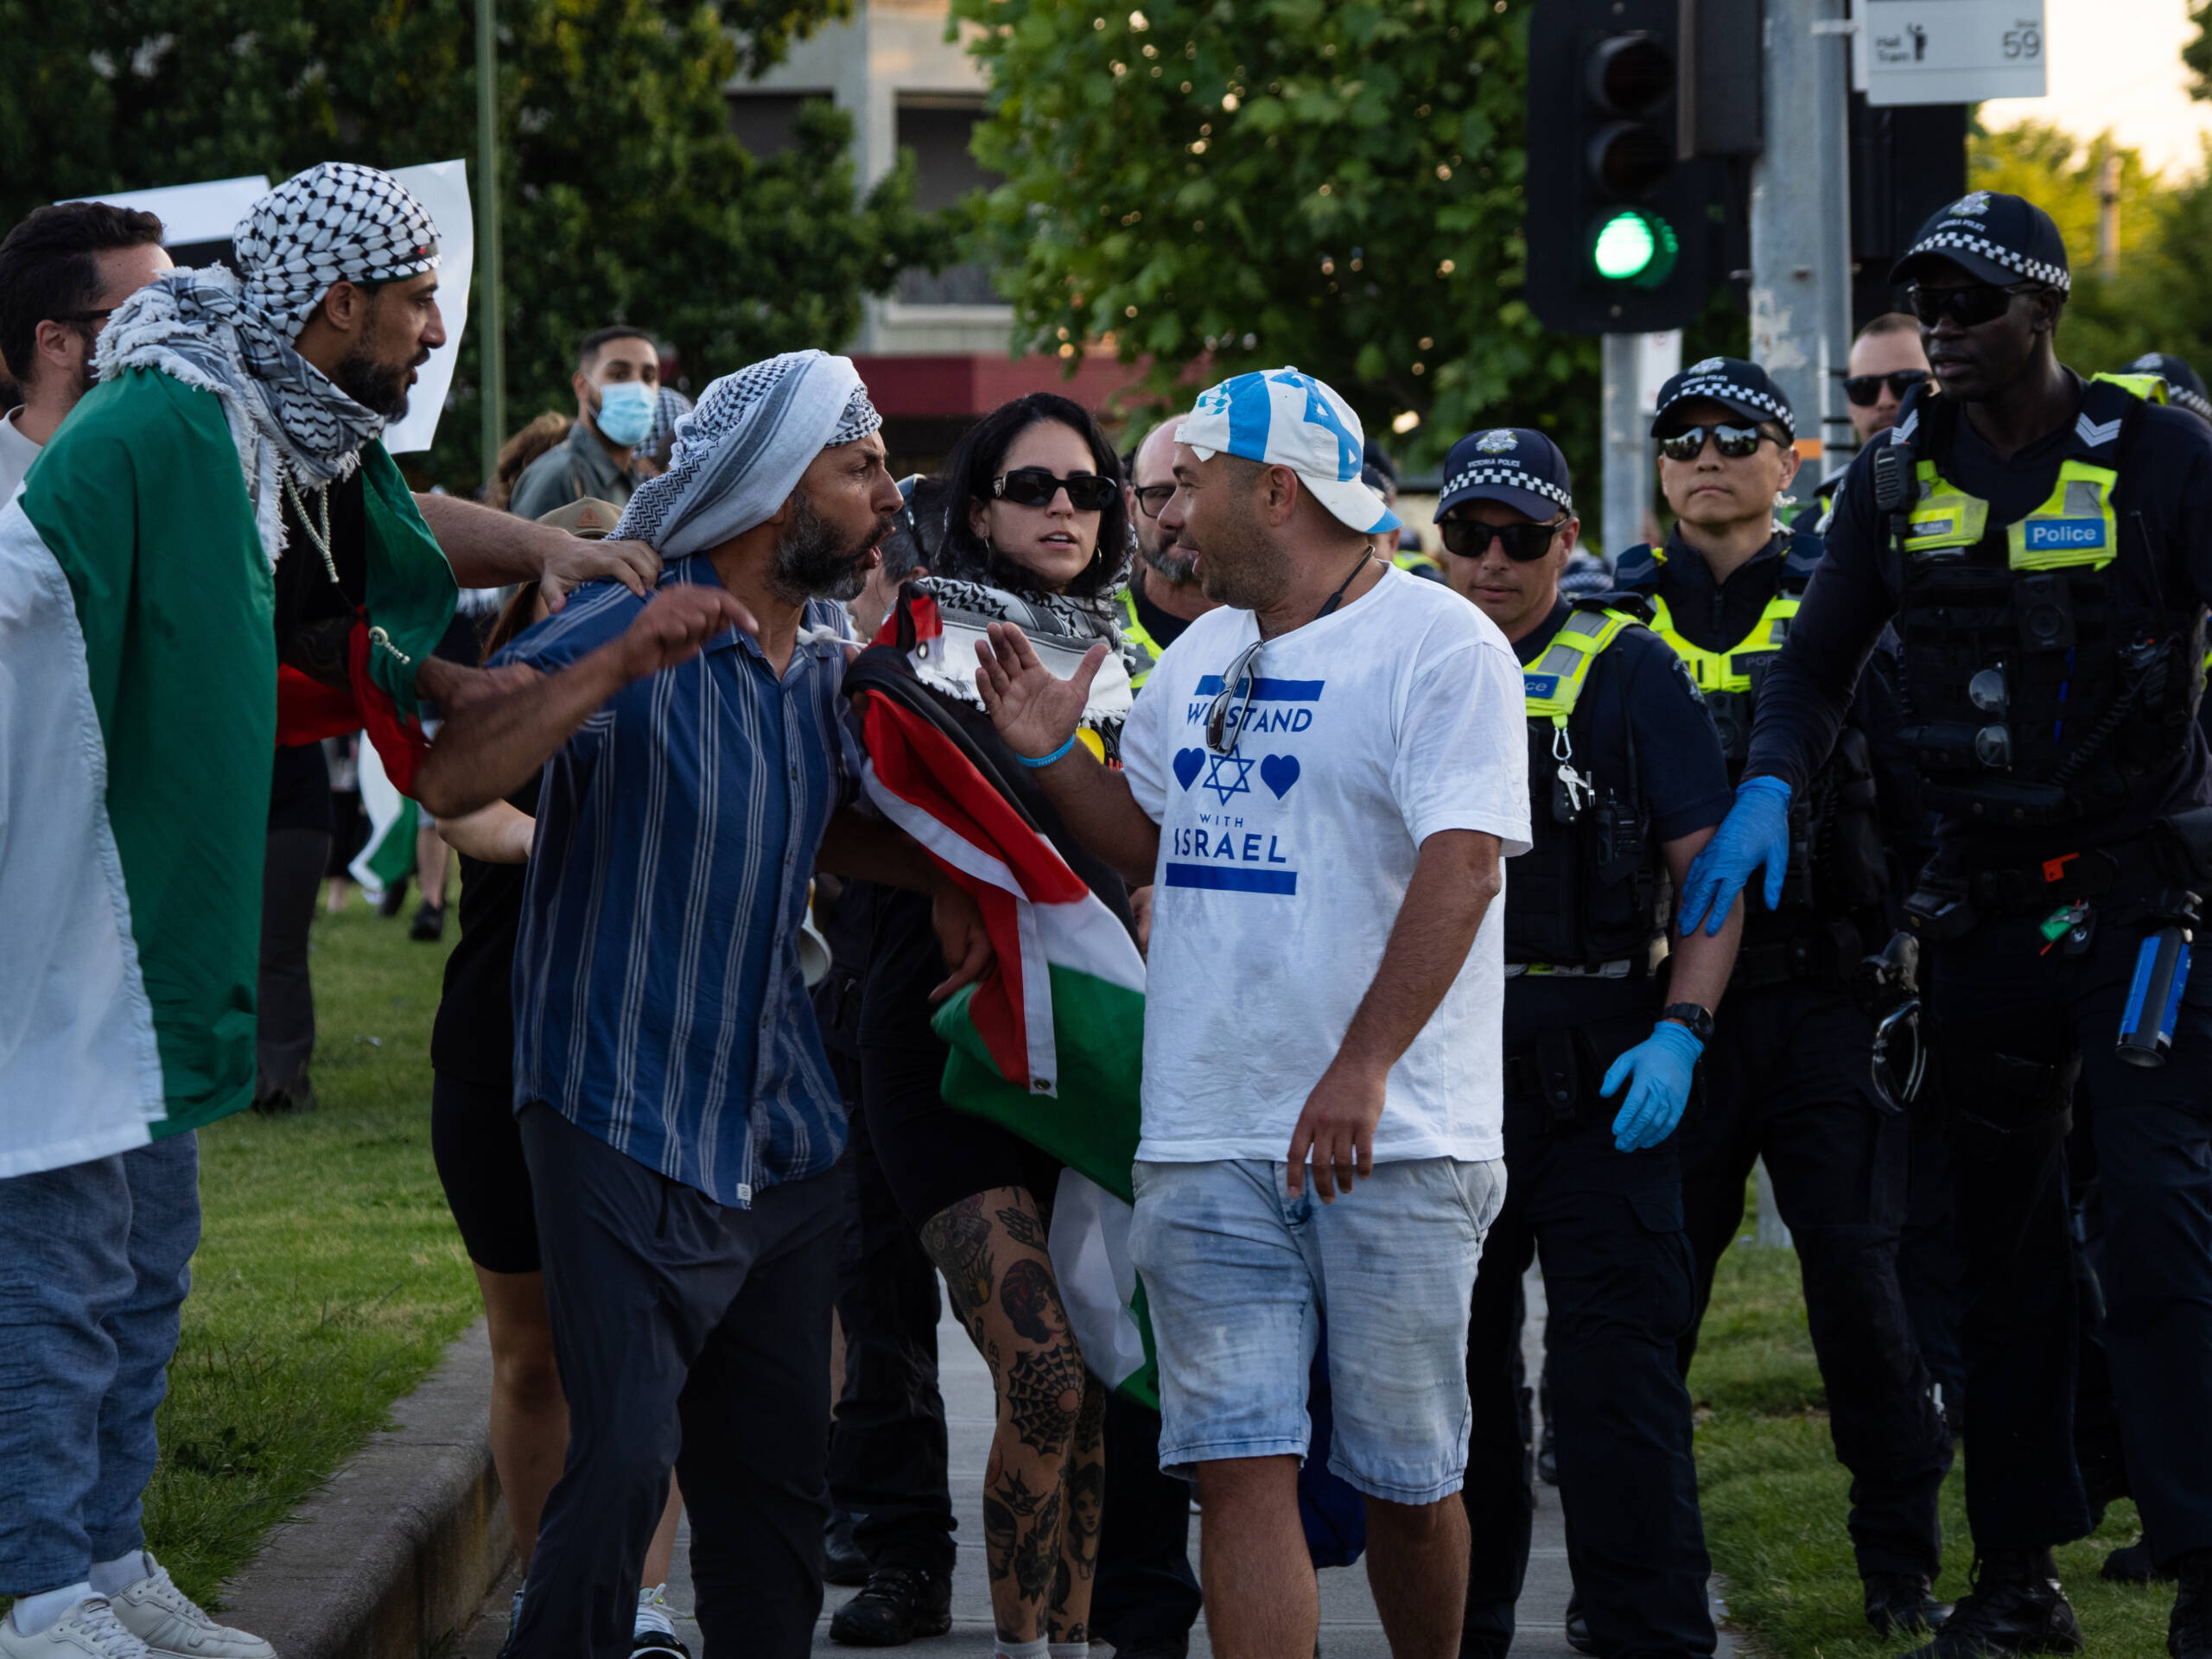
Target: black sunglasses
1471,538
1151,499
1866,390
1968,307
1733,441
1035,487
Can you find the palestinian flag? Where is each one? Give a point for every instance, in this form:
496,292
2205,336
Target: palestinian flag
138,726
1050,1045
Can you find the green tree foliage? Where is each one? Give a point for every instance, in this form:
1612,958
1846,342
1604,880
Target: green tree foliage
2157,300
1333,185
623,195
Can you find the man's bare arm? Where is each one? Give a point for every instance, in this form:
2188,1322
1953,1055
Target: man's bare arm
1037,712
489,747
1456,876
488,549
1702,960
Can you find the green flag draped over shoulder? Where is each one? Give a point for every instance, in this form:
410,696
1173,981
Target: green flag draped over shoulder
138,723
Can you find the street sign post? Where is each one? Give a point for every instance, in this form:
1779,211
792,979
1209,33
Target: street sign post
1950,51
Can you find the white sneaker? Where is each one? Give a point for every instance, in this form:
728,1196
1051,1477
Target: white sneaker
88,1631
166,1620
653,1634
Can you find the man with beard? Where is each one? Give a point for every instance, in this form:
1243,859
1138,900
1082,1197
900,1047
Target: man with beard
63,272
1163,597
678,1116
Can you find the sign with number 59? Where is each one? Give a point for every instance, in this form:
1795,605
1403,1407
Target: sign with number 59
1947,51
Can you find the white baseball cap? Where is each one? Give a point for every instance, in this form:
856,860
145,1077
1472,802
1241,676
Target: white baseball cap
1285,417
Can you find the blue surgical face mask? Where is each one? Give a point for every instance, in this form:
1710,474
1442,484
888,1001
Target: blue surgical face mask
625,411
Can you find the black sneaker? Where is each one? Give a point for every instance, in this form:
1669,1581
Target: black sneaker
2132,1564
898,1605
394,899
1578,1627
429,925
2189,1632
843,1561
294,1099
2015,1606
1903,1602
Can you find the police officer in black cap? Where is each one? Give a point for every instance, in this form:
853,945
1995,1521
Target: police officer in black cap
1788,1077
2044,547
1629,782
2178,384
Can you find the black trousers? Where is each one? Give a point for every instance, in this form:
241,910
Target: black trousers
1620,1281
887,1451
1930,1269
1783,1081
1146,1592
2012,1023
291,881
687,1335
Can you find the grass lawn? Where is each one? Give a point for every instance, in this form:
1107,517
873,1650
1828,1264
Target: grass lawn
1774,1497
330,1277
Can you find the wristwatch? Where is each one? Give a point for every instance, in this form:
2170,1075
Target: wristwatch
1698,1020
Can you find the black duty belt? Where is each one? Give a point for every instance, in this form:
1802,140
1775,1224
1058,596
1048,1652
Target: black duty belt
1826,954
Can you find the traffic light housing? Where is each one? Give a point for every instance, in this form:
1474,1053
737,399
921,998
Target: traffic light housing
1616,221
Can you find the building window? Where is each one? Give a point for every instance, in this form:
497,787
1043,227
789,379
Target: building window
767,124
937,128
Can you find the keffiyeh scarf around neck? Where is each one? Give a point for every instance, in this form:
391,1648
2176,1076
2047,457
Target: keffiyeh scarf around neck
333,223
1061,628
741,453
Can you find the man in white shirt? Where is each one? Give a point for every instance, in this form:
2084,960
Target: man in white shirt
63,271
1320,781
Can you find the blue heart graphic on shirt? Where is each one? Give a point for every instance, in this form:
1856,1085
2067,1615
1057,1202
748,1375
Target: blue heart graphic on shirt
1188,764
1279,772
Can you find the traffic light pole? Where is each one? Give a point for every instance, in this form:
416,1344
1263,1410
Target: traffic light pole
1627,469
1800,225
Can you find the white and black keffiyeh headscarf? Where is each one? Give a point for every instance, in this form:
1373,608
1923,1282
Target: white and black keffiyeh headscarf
336,222
740,453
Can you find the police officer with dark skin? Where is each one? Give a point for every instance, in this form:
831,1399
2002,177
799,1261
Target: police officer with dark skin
1600,1053
1788,1076
2044,547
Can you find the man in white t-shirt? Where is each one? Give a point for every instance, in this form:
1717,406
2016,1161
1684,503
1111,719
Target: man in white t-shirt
1320,781
63,270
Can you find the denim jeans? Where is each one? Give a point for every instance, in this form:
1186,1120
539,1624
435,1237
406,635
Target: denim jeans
94,1264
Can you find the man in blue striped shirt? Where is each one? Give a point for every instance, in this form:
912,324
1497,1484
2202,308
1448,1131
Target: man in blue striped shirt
677,1112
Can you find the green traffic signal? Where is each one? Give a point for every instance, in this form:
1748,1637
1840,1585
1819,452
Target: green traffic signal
1635,247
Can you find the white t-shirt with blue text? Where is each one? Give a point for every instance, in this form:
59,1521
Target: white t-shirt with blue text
1282,866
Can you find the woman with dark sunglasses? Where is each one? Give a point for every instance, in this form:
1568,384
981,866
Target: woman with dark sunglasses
1034,529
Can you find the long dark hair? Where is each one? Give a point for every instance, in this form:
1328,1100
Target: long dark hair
980,457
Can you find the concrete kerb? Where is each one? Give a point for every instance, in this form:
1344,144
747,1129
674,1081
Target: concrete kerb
396,1554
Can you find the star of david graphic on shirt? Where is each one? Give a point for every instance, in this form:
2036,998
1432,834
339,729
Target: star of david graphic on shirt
1236,785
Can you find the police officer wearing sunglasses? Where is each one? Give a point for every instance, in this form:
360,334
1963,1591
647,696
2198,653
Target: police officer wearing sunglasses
1788,1076
1626,783
2043,544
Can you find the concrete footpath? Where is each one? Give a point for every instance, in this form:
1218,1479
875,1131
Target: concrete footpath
1349,1628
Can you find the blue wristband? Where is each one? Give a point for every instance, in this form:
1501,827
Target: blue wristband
1046,760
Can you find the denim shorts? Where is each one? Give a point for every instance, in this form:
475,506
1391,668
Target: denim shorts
1239,1277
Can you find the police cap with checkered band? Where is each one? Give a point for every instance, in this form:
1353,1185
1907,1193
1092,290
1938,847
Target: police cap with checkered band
1740,387
1989,235
1511,464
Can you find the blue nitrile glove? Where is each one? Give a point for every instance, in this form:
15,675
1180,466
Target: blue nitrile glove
1662,1065
1756,832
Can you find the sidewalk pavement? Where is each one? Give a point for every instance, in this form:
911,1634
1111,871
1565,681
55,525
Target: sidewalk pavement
1349,1627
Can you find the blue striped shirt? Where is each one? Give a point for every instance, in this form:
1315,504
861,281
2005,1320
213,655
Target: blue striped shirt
659,1001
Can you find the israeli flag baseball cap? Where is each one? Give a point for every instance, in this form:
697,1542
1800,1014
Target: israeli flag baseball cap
1284,417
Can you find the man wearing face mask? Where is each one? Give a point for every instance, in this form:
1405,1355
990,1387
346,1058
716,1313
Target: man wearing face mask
63,272
2044,545
617,393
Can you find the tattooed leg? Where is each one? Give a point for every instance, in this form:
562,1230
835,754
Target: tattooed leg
991,1249
1082,1486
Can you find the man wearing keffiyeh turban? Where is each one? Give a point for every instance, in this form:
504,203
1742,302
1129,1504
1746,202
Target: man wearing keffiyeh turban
218,504
676,1112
